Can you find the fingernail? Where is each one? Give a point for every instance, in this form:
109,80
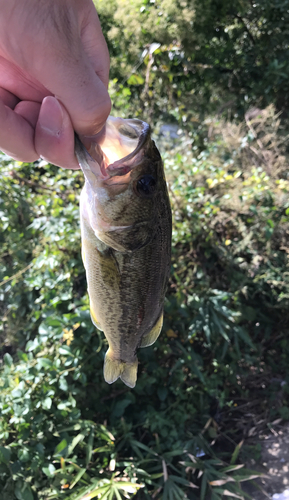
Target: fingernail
51,116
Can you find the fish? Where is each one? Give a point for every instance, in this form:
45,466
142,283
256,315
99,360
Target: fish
126,228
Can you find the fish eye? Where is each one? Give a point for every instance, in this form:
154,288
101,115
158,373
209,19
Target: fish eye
146,185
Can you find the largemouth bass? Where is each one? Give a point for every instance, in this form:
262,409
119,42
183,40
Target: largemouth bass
126,241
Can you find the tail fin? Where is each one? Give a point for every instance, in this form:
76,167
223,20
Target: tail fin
114,369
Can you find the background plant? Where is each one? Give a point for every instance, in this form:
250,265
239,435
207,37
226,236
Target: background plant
219,370
179,59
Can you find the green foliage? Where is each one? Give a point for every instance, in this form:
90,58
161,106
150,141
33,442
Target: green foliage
231,218
186,58
64,432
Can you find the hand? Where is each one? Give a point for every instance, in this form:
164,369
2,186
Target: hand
54,67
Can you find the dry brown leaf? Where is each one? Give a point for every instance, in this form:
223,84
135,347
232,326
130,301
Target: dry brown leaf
279,420
220,482
165,470
234,467
192,485
208,423
193,458
230,494
248,478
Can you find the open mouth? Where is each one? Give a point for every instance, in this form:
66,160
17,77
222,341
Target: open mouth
113,150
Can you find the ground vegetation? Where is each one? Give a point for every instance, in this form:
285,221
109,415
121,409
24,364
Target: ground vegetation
219,371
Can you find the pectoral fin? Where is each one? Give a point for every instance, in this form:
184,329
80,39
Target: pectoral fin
83,253
114,369
152,336
94,320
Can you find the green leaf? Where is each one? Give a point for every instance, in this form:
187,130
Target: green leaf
43,329
103,490
49,471
65,350
220,325
77,439
44,363
8,360
204,486
135,80
89,447
241,332
5,454
77,478
120,407
61,448
207,332
268,232
47,403
23,491
143,447
117,494
23,455
162,393
63,385
22,355
183,481
236,452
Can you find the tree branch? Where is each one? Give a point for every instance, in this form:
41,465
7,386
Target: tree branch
246,28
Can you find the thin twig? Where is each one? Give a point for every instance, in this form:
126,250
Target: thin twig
30,183
246,28
17,274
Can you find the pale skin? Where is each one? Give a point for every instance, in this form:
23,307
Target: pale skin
54,70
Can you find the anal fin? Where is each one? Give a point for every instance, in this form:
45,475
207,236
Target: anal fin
114,369
152,336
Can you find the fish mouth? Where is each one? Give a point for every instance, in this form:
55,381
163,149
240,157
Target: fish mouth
115,150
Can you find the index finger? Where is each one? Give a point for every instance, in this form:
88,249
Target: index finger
76,72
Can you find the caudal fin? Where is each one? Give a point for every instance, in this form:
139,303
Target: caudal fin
114,369
129,374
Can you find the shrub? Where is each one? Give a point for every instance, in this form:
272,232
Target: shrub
64,432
